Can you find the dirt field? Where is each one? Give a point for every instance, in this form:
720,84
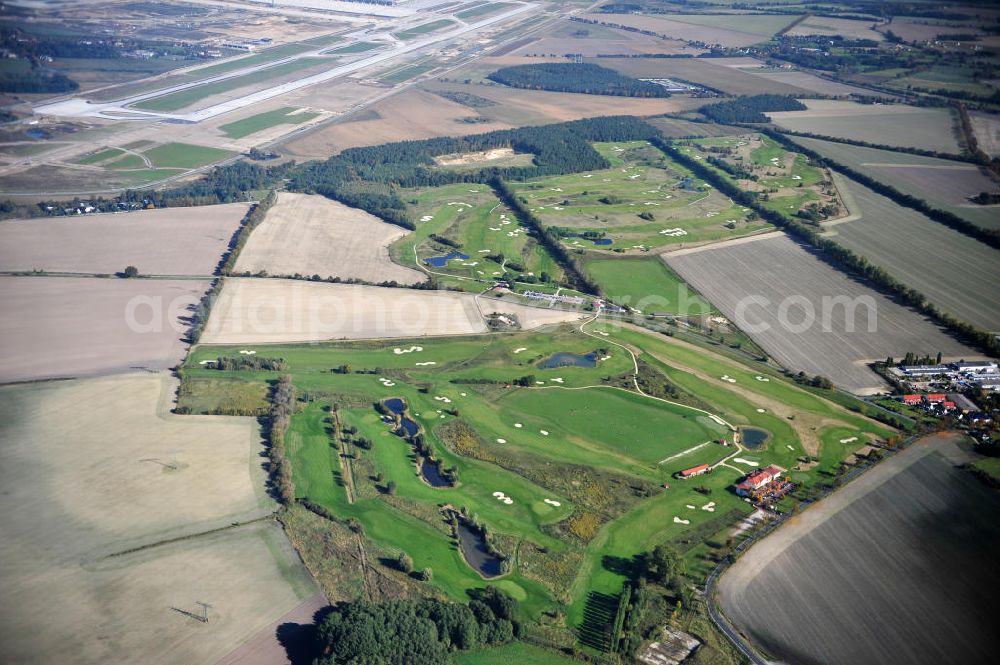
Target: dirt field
71,327
172,241
313,235
935,260
895,124
728,79
987,129
915,538
810,82
413,114
261,311
117,472
776,268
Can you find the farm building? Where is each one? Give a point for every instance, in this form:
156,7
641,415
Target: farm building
758,479
912,400
935,398
963,403
977,367
694,471
925,370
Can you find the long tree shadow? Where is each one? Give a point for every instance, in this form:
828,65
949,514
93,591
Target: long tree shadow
598,617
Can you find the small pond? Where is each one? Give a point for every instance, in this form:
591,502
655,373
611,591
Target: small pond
754,437
603,241
563,359
442,261
398,406
431,473
475,552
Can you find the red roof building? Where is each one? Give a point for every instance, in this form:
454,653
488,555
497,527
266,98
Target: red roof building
949,405
912,400
936,397
758,479
694,471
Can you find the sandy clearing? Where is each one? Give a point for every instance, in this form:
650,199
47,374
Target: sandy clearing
764,286
797,590
530,317
71,327
311,235
987,129
96,466
254,311
172,241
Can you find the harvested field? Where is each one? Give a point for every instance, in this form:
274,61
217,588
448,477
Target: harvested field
827,25
914,538
810,82
309,235
134,475
68,327
733,30
930,257
987,129
894,124
413,114
171,241
794,282
730,80
259,311
943,183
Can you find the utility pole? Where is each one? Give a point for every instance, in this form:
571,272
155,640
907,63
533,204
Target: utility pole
204,611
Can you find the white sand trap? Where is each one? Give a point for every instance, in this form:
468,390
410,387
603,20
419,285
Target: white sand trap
413,349
678,520
539,383
601,332
717,419
441,398
427,218
761,411
484,251
587,175
498,494
508,500
553,502
789,447
207,362
689,507
501,440
425,364
762,378
740,460
463,394
520,349
518,425
494,228
849,440
710,506
726,377
543,432
442,416
558,379
247,352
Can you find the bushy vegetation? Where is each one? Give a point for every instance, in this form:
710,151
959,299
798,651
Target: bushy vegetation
576,77
420,632
249,364
750,109
35,80
282,408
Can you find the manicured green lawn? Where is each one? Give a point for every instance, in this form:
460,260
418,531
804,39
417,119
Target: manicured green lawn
646,284
99,156
517,653
356,47
424,29
406,73
260,121
185,155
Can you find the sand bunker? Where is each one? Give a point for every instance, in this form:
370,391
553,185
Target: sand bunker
678,520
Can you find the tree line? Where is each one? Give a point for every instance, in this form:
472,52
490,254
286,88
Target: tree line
255,215
833,253
579,77
277,422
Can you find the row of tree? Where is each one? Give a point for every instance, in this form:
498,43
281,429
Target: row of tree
250,364
834,253
278,420
255,215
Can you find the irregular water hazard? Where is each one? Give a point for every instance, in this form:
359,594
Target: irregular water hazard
898,568
476,553
564,359
753,437
442,261
430,470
